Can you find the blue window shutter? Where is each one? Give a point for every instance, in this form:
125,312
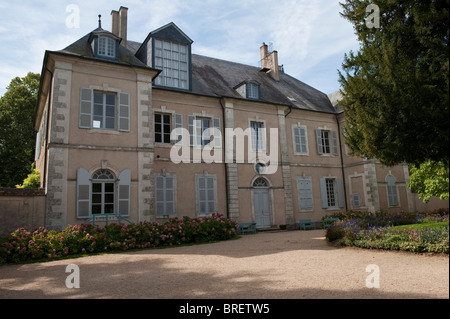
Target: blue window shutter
297,140
334,143
86,102
83,193
124,192
304,193
319,140
340,193
124,112
323,193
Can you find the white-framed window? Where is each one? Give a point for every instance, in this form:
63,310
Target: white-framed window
252,90
104,115
206,194
162,128
106,47
172,58
392,191
103,192
257,135
326,141
165,195
305,193
200,133
104,110
300,140
332,193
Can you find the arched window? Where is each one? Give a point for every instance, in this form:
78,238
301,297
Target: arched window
392,191
260,182
103,192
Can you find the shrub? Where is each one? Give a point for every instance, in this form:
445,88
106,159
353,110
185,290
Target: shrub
22,245
425,232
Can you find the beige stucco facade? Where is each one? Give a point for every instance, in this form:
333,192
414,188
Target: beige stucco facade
327,183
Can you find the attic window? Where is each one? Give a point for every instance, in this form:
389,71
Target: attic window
106,47
252,91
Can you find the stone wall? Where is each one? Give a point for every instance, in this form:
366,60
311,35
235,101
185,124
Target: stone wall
21,208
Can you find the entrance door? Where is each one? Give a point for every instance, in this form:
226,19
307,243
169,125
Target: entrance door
261,203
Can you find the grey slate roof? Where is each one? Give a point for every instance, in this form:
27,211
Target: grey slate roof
82,48
218,78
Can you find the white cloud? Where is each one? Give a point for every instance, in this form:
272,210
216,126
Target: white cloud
307,34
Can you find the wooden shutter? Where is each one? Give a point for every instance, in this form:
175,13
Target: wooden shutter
124,192
334,144
340,193
124,112
356,200
319,140
165,195
297,143
206,195
217,133
83,193
323,192
305,193
86,102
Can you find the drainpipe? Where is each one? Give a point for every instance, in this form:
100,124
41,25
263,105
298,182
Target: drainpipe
227,195
44,176
342,163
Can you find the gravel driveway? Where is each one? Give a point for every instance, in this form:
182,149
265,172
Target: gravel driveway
268,265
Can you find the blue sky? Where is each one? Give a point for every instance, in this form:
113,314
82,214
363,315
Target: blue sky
310,35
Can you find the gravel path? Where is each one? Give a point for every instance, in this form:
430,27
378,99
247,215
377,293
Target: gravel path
272,265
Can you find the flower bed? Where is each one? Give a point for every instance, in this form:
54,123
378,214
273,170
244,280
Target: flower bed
23,246
425,232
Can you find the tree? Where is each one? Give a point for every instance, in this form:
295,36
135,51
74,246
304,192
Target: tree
396,87
17,135
430,179
32,180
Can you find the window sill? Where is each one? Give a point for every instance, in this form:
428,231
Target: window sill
101,131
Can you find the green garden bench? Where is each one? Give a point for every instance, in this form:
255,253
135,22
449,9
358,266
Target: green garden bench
329,221
247,228
306,224
105,217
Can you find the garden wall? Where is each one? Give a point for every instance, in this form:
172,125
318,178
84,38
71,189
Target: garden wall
21,208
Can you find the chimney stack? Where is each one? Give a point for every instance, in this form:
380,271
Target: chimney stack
123,19
119,21
269,62
115,22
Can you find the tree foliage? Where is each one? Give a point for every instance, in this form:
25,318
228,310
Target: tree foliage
396,87
17,135
430,179
32,180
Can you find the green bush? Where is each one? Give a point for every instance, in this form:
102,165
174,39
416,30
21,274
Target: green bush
23,246
415,232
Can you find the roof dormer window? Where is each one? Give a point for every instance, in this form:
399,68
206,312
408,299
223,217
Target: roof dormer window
106,47
252,91
249,90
